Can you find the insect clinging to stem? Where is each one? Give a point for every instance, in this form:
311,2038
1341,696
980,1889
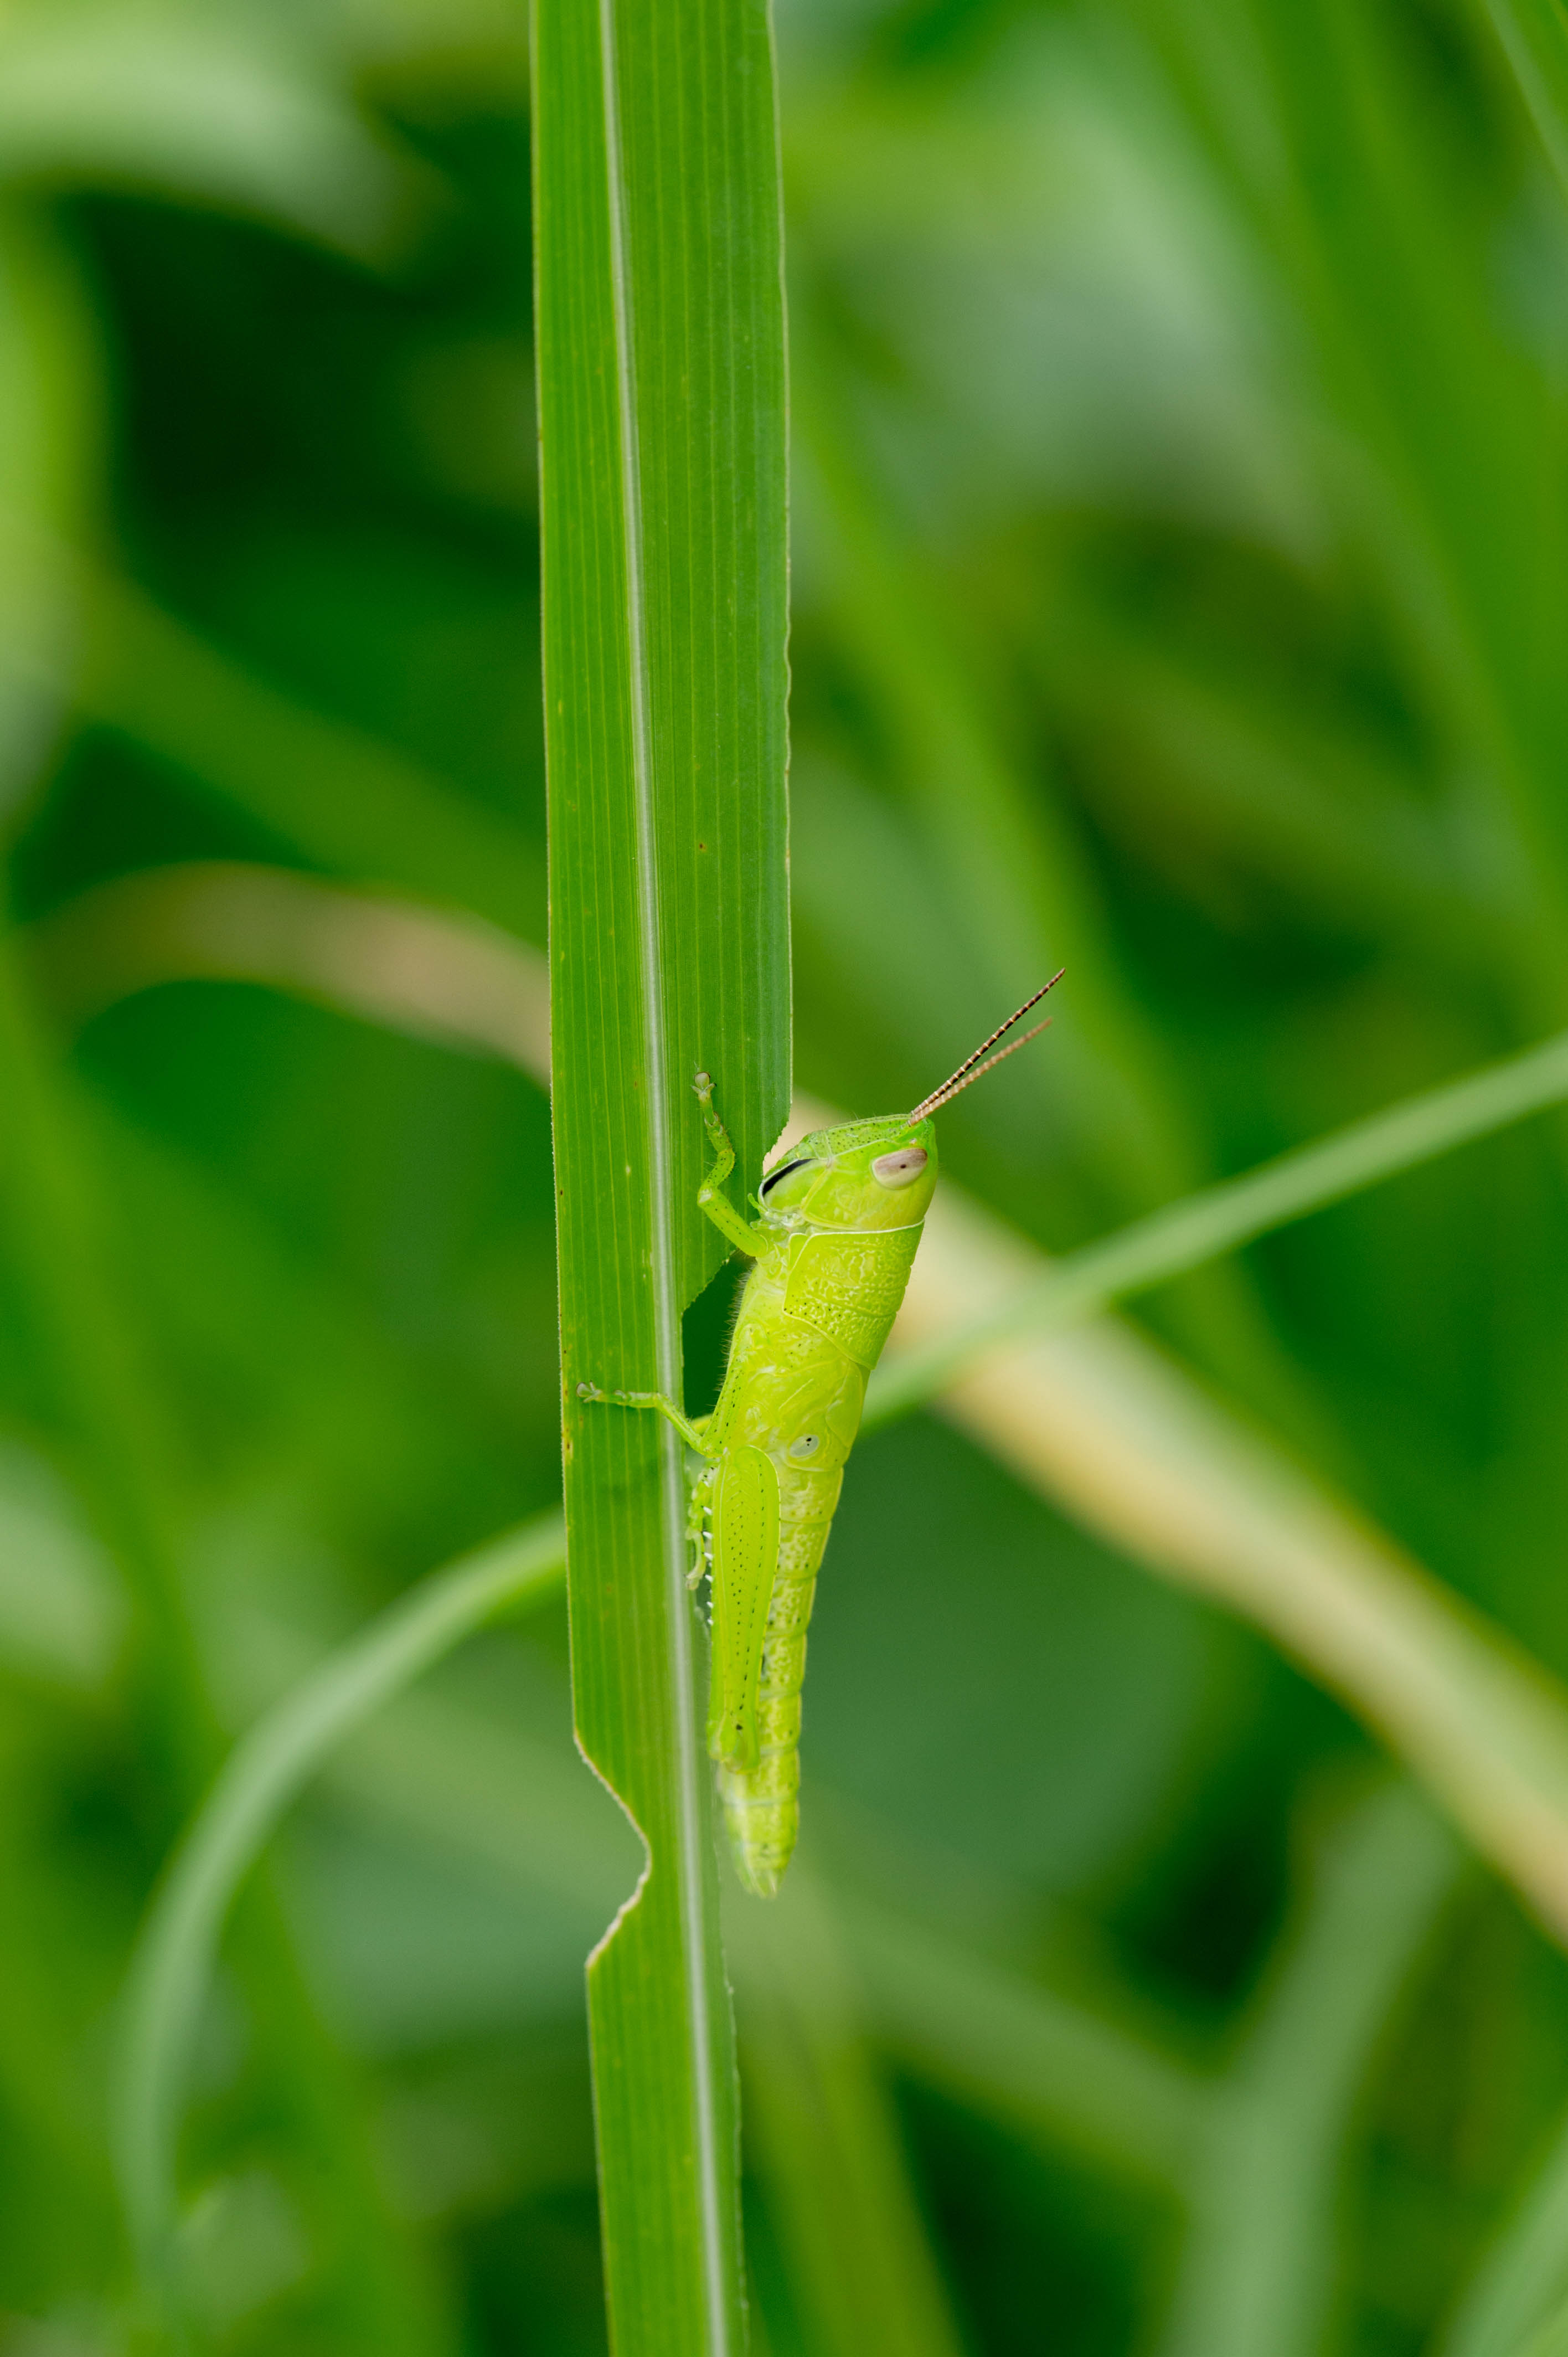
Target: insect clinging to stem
839,1221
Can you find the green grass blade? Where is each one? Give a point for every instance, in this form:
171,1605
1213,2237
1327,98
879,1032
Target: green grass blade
1038,2062
179,1943
1100,1422
1534,35
1524,2276
1019,891
663,423
340,797
1261,2266
1551,2341
1356,207
51,369
1217,1220
58,1232
53,1227
823,2136
437,974
219,110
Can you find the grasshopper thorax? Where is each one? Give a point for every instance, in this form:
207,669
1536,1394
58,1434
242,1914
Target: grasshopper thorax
864,1175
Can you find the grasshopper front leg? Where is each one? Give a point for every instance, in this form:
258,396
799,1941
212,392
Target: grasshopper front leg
712,1200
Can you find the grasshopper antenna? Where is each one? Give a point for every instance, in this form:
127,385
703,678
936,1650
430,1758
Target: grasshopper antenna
973,1068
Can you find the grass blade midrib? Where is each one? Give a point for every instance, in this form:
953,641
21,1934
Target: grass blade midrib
667,1309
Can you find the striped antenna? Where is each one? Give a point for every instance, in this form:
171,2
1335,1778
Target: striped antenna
974,1067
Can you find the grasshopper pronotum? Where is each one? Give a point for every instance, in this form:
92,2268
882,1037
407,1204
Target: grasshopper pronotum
832,1249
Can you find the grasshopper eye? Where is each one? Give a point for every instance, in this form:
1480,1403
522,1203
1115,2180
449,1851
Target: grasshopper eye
806,1443
900,1169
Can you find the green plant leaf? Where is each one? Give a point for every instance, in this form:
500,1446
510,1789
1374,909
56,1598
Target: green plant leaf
1551,2341
174,1955
1523,2276
1025,2054
825,2139
59,1229
337,796
1534,37
1260,2262
49,446
204,110
662,432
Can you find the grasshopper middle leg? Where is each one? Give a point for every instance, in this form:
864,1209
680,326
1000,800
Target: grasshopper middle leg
692,1434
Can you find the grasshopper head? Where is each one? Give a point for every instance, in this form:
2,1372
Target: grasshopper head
879,1174
864,1175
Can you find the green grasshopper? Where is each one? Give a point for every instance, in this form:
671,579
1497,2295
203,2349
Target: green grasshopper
831,1250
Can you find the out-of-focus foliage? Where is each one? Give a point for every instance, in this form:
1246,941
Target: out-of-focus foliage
1179,573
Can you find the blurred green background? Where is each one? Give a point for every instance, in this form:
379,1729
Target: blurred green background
1181,396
